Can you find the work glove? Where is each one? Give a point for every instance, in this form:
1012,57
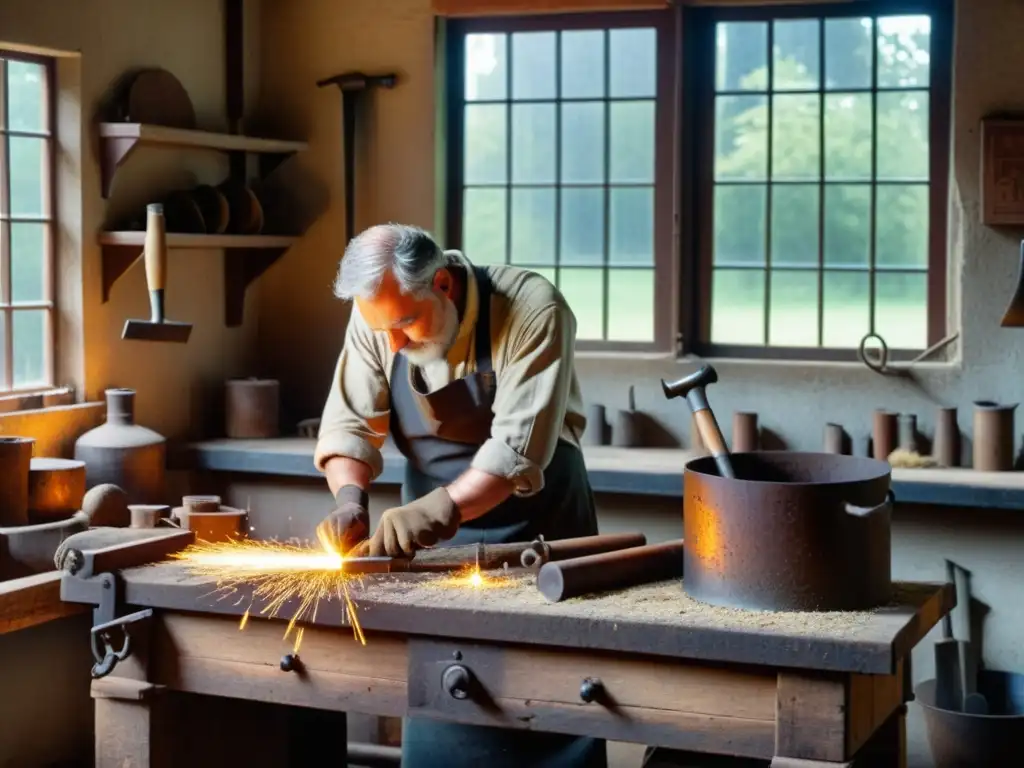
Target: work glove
423,523
349,523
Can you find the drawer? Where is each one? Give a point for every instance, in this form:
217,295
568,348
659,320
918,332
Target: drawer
624,698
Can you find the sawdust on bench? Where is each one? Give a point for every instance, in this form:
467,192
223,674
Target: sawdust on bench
660,603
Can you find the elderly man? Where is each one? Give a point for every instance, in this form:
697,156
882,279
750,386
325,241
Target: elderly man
470,370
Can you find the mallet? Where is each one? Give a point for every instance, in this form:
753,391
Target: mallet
692,388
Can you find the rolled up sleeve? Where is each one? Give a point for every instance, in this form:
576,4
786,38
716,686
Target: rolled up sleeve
531,399
355,418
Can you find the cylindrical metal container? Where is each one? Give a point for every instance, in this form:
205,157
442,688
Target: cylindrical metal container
15,459
908,432
884,430
946,443
835,438
252,408
745,434
793,532
993,436
124,453
56,488
595,433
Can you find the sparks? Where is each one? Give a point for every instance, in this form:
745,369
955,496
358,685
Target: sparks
471,577
277,574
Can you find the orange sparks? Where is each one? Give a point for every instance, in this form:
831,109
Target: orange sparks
471,577
277,574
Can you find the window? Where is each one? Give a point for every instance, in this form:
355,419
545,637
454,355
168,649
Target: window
777,191
561,162
26,224
822,183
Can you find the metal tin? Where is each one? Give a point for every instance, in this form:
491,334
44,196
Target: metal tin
799,531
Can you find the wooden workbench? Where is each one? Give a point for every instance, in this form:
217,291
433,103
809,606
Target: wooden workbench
803,690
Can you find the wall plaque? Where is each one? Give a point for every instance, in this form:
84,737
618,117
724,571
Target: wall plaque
1002,171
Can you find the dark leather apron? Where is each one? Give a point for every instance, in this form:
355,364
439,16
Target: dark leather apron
439,433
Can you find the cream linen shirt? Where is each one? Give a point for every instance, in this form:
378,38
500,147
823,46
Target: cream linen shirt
537,399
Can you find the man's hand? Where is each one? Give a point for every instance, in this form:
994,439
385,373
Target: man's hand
423,523
349,523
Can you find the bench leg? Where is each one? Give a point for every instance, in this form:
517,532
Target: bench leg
131,730
887,748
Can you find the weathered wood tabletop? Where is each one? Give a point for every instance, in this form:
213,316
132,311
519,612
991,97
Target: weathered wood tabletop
656,619
801,689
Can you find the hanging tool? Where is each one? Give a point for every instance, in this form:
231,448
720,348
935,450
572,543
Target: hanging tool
352,86
157,328
693,387
880,364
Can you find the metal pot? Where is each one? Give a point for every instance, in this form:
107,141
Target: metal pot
799,532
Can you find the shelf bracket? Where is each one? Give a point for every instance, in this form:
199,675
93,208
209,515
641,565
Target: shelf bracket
241,267
114,150
116,260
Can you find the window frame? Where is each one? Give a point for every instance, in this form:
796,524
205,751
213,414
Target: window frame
665,230
697,170
48,218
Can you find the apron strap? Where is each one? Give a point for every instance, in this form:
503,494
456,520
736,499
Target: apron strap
482,333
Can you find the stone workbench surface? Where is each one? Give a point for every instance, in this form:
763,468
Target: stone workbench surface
640,471
657,619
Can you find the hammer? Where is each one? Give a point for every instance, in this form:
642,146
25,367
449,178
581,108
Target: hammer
692,388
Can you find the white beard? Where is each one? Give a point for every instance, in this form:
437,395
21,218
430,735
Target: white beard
422,353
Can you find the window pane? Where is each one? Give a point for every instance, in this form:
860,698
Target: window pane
486,150
901,309
486,67
631,226
848,145
902,225
848,51
28,259
29,333
583,143
533,65
547,274
533,144
904,51
26,96
3,358
631,305
582,231
584,290
533,226
847,224
739,224
28,171
793,311
483,225
796,58
631,151
583,64
737,306
796,123
794,224
741,60
741,137
903,135
846,311
632,68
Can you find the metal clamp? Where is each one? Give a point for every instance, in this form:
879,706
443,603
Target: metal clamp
108,656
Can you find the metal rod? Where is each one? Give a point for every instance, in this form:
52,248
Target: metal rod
566,579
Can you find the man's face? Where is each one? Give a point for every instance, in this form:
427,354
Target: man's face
421,328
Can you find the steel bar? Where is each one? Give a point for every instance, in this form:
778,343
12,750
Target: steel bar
565,579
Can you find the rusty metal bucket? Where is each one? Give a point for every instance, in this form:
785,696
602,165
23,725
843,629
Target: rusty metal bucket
964,740
792,532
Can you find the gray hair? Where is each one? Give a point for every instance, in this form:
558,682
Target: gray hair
410,253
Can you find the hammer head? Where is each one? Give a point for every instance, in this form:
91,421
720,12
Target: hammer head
696,380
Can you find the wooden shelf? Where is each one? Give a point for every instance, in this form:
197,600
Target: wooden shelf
118,140
246,257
